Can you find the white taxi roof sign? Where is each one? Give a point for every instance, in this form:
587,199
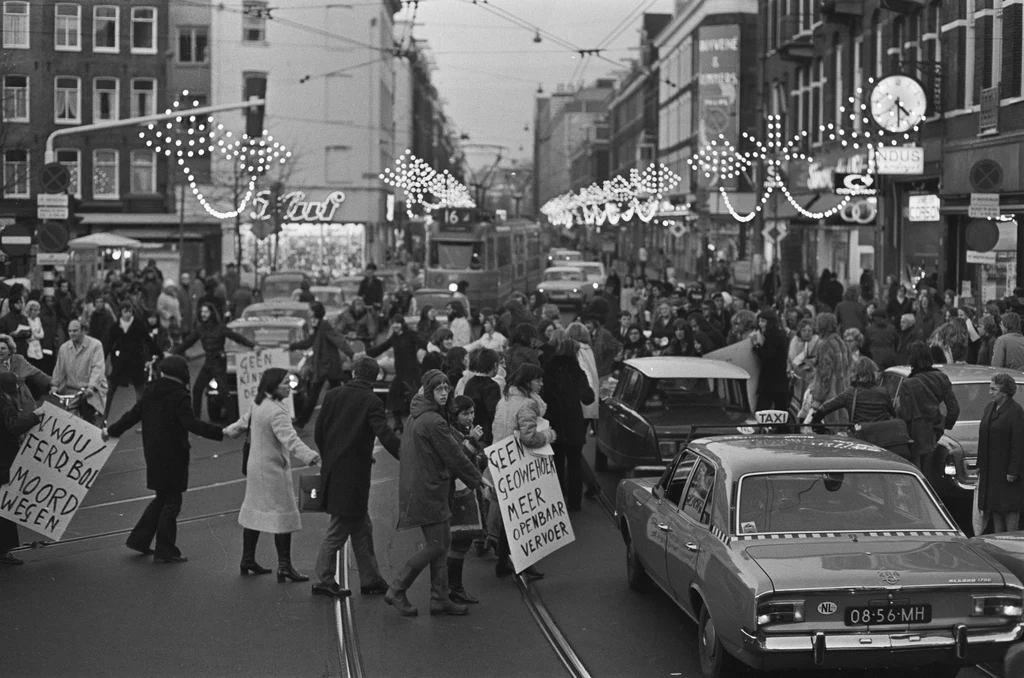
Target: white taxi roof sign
772,417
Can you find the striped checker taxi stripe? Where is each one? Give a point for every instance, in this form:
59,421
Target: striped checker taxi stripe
826,535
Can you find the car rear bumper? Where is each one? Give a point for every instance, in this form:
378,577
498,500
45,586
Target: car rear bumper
871,650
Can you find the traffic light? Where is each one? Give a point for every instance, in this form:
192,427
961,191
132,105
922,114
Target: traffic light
255,86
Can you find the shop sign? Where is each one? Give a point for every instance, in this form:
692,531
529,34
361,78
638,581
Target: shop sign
820,175
899,160
974,257
295,208
854,184
984,206
924,208
718,96
862,211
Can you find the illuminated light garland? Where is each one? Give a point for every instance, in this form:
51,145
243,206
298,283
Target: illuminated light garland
254,156
425,186
615,200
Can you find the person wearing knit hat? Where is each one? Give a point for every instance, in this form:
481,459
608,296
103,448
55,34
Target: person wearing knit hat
430,455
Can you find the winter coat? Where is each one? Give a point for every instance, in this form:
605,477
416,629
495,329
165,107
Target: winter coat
53,329
588,364
9,325
917,403
13,425
518,355
519,412
773,356
485,393
462,333
326,343
128,353
605,348
33,383
906,338
364,327
168,307
565,387
372,291
851,314
186,303
882,341
269,504
350,418
1008,351
165,411
1001,453
430,456
927,321
986,346
896,309
405,345
100,322
212,335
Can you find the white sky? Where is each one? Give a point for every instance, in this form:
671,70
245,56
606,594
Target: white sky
489,68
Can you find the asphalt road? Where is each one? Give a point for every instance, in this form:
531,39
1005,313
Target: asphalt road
90,607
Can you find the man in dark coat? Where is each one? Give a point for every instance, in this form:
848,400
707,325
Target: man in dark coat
126,344
371,289
565,387
772,348
351,417
326,342
907,336
167,419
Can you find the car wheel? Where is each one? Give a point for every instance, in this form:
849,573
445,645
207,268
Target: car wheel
715,662
600,461
636,575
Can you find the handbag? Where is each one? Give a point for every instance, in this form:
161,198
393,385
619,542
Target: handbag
311,494
891,434
467,519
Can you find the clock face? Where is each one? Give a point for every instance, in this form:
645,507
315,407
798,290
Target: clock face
898,102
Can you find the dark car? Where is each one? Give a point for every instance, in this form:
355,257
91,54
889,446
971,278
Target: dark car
658,401
955,470
281,284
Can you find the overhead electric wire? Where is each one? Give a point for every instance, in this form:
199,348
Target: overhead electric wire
622,25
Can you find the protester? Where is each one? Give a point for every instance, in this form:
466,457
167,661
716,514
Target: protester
15,324
1008,350
850,312
430,455
212,334
490,338
926,314
988,328
440,343
166,420
81,367
328,345
371,289
771,349
522,348
950,342
404,344
832,364
458,323
698,323
518,412
854,341
358,323
882,340
269,504
34,352
909,334
635,345
16,419
101,318
801,347
479,384
566,388
127,344
470,437
865,400
918,403
515,315
1001,455
213,297
168,308
428,324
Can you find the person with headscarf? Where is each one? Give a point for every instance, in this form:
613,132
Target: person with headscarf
15,421
430,455
458,323
404,344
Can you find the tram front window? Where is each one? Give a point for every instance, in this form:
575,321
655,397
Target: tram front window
456,256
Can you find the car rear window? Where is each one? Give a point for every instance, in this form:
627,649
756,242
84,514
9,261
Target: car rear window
867,501
973,398
576,276
680,393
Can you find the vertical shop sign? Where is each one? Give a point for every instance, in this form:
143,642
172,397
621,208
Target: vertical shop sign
718,102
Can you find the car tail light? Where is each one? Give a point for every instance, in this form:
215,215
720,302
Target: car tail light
950,469
780,612
997,606
667,450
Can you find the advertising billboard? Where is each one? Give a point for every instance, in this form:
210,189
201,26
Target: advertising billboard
718,93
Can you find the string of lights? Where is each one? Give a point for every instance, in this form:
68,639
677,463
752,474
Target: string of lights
424,186
614,200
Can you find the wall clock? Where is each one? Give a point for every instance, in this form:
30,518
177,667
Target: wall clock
898,103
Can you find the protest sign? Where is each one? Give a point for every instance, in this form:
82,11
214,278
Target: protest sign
58,462
742,355
250,369
532,506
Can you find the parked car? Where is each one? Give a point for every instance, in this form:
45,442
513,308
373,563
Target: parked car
955,470
281,284
268,332
566,286
278,308
658,401
815,552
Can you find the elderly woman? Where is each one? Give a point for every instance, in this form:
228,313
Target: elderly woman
32,382
1001,455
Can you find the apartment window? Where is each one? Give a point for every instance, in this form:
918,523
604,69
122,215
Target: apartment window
143,177
67,100
16,174
839,82
805,14
254,21
67,28
144,30
143,97
72,159
16,98
106,99
192,44
1012,50
858,79
801,104
16,25
106,29
105,175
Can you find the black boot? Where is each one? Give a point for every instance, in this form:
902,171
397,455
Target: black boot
249,540
283,542
456,591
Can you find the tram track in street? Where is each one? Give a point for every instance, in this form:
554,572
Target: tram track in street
344,621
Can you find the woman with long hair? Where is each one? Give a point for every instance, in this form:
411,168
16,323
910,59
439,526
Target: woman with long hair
15,421
427,325
269,504
919,402
567,387
440,343
458,323
635,345
832,362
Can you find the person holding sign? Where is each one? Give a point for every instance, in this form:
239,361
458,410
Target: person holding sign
166,420
269,504
430,456
13,424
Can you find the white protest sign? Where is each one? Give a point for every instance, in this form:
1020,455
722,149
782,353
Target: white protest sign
249,371
57,464
532,506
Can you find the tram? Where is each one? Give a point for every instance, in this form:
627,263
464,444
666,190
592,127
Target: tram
494,256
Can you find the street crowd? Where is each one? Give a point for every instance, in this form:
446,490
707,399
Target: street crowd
464,378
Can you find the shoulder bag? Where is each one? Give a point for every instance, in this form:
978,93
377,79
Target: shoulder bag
891,434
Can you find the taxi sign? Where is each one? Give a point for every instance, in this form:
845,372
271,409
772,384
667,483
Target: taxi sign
772,417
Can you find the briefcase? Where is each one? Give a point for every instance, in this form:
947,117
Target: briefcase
311,494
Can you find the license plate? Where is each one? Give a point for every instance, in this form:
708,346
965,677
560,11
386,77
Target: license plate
888,614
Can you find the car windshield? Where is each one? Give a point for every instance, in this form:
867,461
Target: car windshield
329,298
684,393
974,398
266,336
862,501
574,276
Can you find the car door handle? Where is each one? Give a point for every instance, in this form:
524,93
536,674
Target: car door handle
664,527
691,546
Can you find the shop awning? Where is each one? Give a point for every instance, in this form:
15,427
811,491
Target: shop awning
97,240
141,219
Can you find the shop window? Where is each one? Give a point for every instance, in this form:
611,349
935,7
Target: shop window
67,27
143,172
143,30
16,98
16,174
16,34
106,28
105,175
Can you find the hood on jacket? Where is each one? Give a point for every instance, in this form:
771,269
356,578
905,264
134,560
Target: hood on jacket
421,405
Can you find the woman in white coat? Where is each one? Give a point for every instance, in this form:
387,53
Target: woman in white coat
270,504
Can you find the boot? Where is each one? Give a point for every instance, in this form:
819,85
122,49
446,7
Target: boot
249,564
283,543
396,592
456,591
440,603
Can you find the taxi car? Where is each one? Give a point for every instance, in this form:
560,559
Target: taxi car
565,285
955,473
657,402
268,332
815,552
